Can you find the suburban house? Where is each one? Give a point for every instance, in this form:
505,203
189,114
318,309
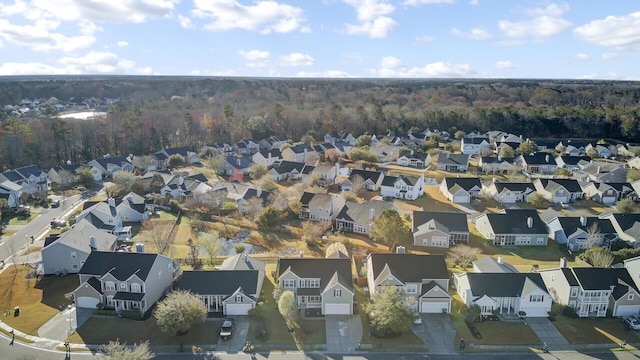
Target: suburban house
627,226
31,178
124,280
326,174
12,192
319,283
267,158
539,162
403,187
230,292
513,227
320,207
245,262
340,136
593,292
422,280
633,267
581,232
600,192
67,252
186,187
299,153
508,293
286,170
489,264
234,165
439,229
134,208
559,190
104,216
508,193
246,147
358,218
571,163
497,164
601,150
460,190
369,180
475,145
413,159
382,139
107,166
385,153
187,156
221,147
64,175
601,171
273,142
625,190
452,162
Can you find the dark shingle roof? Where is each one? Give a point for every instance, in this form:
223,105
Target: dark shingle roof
410,267
514,186
373,175
570,184
571,224
602,278
515,222
465,183
219,282
502,284
453,221
120,264
323,268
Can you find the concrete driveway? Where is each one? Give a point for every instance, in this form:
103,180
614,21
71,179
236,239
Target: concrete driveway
239,337
344,332
64,323
547,332
437,332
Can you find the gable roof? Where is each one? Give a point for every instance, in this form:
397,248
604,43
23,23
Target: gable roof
465,183
446,158
119,264
409,267
79,237
360,213
504,284
515,222
513,186
451,221
539,158
571,224
322,268
366,174
603,278
570,184
219,282
288,166
242,262
489,264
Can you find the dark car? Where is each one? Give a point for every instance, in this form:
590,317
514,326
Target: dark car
226,331
55,204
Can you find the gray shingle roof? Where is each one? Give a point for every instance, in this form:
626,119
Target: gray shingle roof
219,282
410,267
503,284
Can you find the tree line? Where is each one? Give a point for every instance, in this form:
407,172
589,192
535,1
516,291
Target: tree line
168,112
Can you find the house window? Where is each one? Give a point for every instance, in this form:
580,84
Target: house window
110,286
314,283
288,283
110,300
313,299
574,292
136,288
238,298
412,289
337,293
74,266
630,297
123,285
536,298
73,255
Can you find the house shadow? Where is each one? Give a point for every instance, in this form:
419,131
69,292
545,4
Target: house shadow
56,290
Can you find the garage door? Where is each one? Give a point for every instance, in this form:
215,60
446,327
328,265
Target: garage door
434,307
237,309
537,312
87,302
627,310
460,199
337,309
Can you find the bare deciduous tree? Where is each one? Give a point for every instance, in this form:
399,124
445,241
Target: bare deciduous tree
210,243
463,254
593,235
158,233
357,184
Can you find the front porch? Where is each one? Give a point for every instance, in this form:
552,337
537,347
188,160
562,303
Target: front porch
129,301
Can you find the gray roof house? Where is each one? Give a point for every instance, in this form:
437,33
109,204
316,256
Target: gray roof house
31,178
372,180
627,226
488,264
460,190
320,207
581,232
124,280
439,229
12,192
509,192
423,280
452,162
319,283
358,218
513,227
559,190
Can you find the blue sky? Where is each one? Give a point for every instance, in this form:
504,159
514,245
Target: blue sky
579,39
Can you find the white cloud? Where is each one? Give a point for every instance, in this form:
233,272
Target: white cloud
256,58
96,63
426,2
123,43
91,63
473,2
582,57
475,34
89,28
145,71
263,16
393,67
619,32
40,38
607,76
375,29
18,7
505,65
610,56
296,59
325,74
424,39
368,10
136,11
185,22
542,23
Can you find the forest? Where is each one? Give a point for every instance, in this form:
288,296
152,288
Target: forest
155,112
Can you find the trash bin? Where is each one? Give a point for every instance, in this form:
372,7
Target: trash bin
16,311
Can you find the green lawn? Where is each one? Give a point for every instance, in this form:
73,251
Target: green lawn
594,331
14,220
307,332
165,215
101,330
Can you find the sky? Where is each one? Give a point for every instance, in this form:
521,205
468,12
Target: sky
576,39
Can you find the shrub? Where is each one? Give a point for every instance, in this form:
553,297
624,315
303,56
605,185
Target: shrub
106,312
569,312
131,314
258,313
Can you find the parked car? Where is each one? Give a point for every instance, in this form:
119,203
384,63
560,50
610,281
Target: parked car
58,223
564,205
226,331
632,323
55,204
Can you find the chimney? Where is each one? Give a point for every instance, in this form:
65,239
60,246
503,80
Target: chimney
583,220
92,243
180,180
599,170
269,155
301,254
111,202
412,152
546,158
238,162
372,213
529,222
400,250
500,260
564,262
